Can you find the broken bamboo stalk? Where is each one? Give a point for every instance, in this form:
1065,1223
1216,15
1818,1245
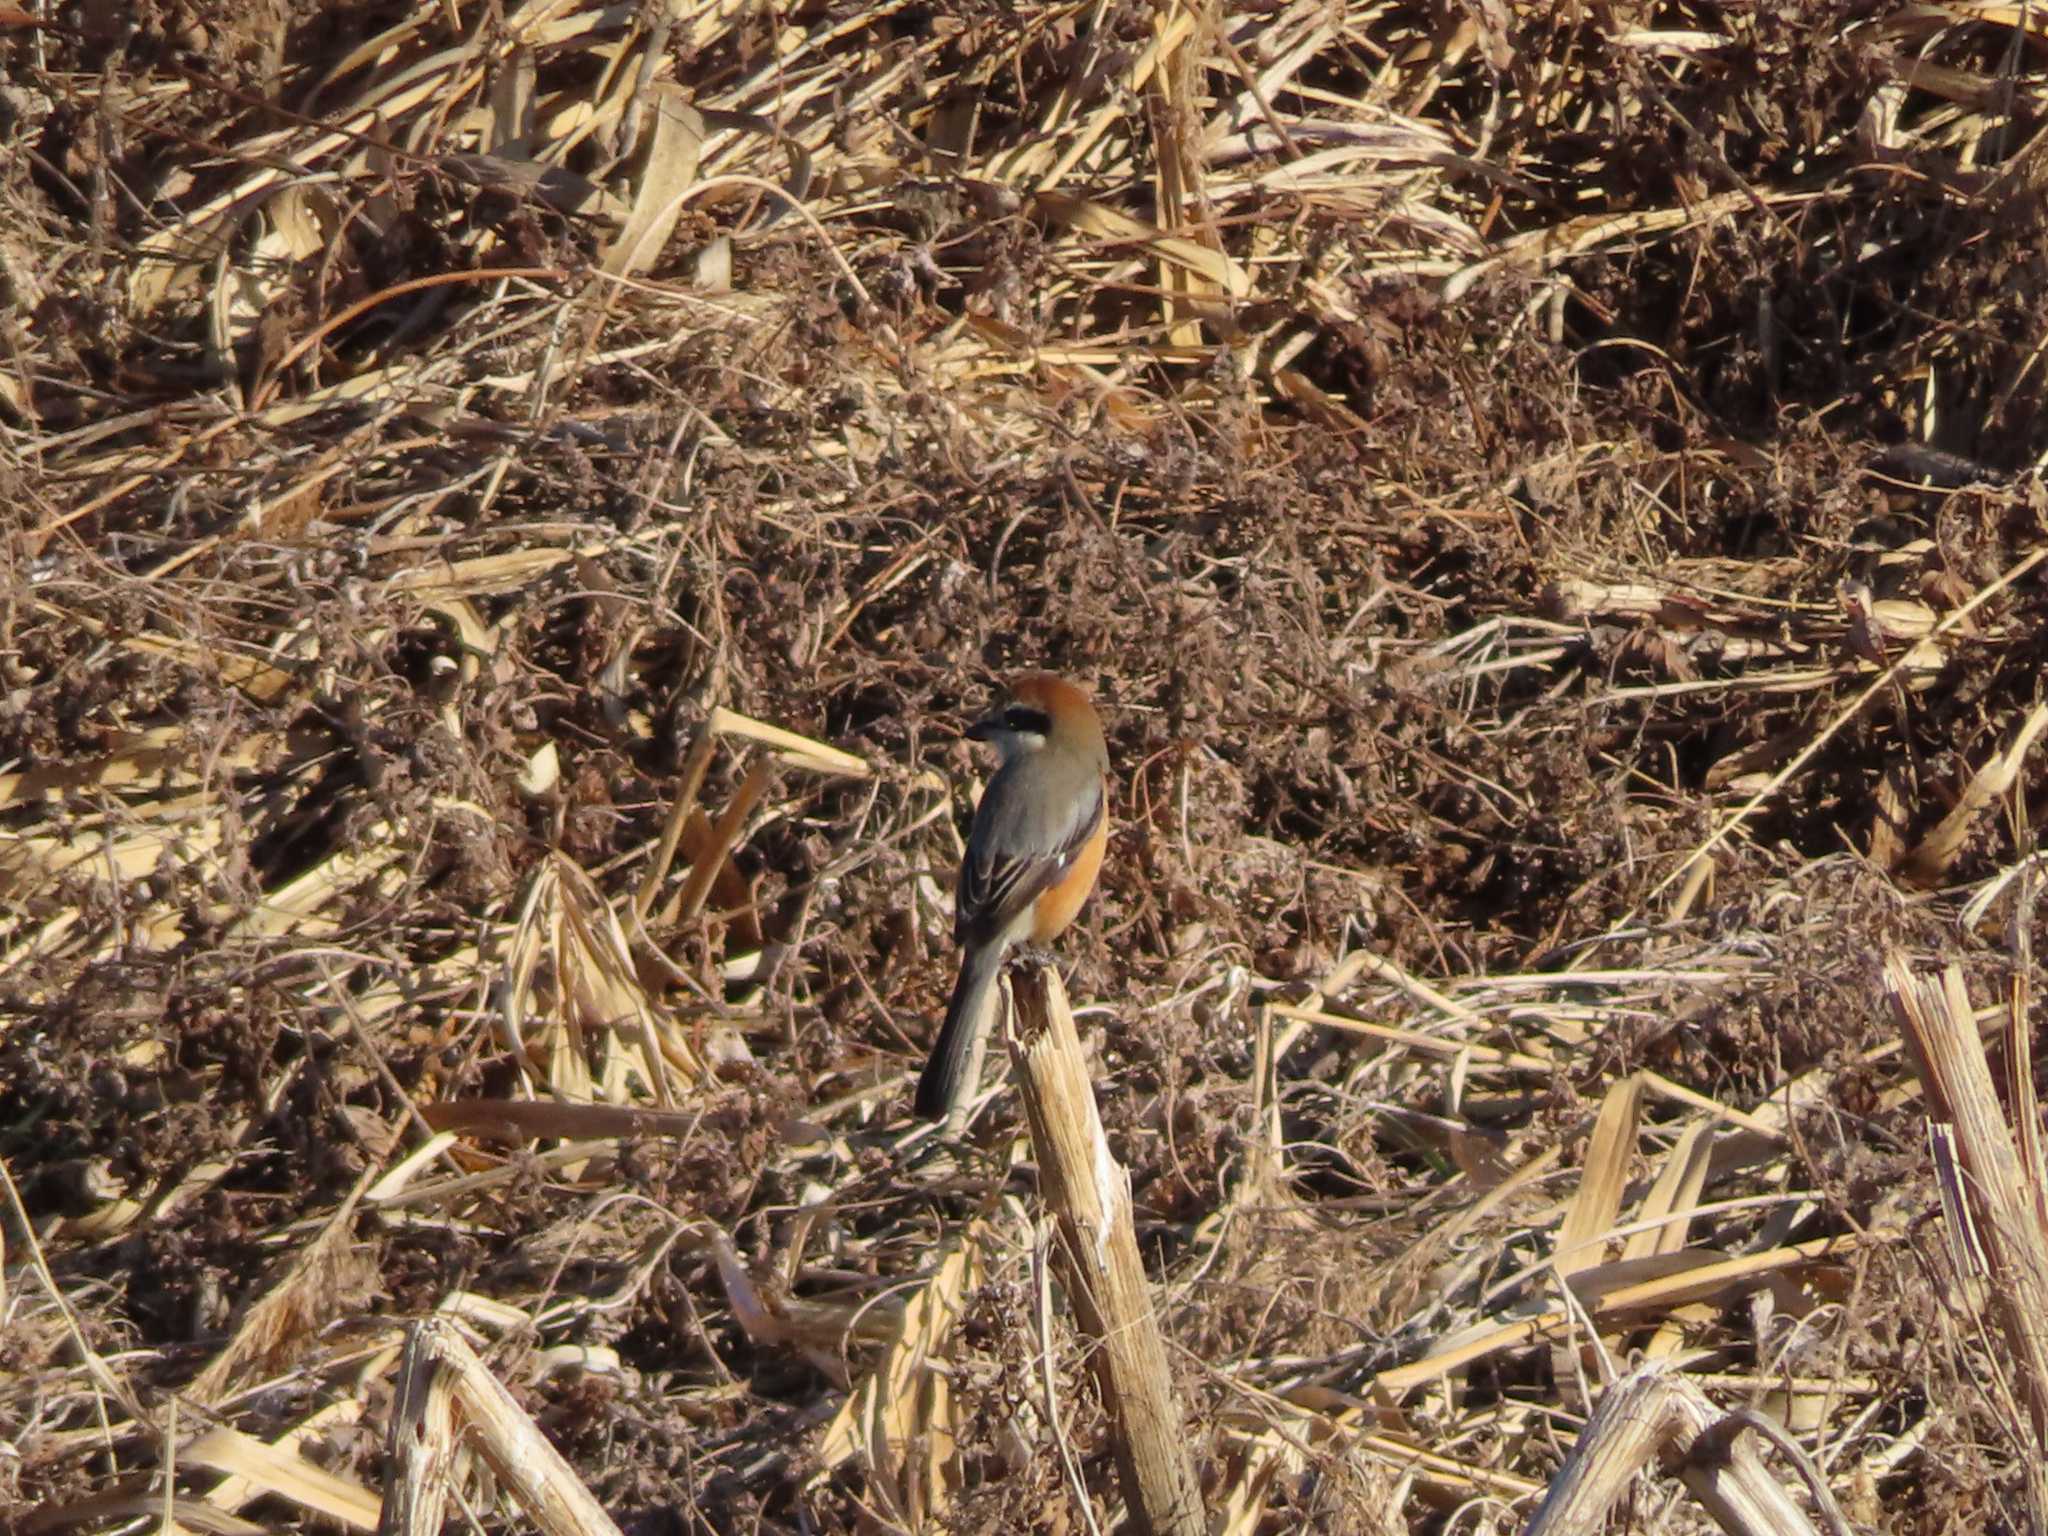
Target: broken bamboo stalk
1088,1190
447,1396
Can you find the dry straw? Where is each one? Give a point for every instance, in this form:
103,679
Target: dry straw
501,510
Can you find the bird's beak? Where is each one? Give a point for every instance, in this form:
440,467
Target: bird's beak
985,728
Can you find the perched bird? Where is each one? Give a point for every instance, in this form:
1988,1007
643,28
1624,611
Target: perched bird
1032,857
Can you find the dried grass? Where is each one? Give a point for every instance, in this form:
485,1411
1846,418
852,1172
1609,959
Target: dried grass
506,512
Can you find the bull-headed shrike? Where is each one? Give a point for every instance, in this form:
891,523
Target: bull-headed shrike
1032,857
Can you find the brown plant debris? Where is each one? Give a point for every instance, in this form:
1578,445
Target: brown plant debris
507,509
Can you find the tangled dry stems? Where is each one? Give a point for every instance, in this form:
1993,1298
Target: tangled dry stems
1548,495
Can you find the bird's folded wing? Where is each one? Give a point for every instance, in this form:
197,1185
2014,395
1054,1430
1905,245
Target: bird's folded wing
998,883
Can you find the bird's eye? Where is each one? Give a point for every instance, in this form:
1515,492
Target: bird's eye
1025,720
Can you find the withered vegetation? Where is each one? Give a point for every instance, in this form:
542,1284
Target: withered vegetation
508,508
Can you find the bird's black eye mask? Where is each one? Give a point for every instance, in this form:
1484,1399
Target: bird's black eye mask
1020,719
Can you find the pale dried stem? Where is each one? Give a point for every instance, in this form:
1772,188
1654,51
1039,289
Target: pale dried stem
1654,1414
1090,1194
442,1382
2003,1204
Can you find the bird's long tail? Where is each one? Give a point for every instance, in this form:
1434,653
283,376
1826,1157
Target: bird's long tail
944,1083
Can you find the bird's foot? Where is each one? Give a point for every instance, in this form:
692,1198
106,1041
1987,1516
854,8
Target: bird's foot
1028,953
